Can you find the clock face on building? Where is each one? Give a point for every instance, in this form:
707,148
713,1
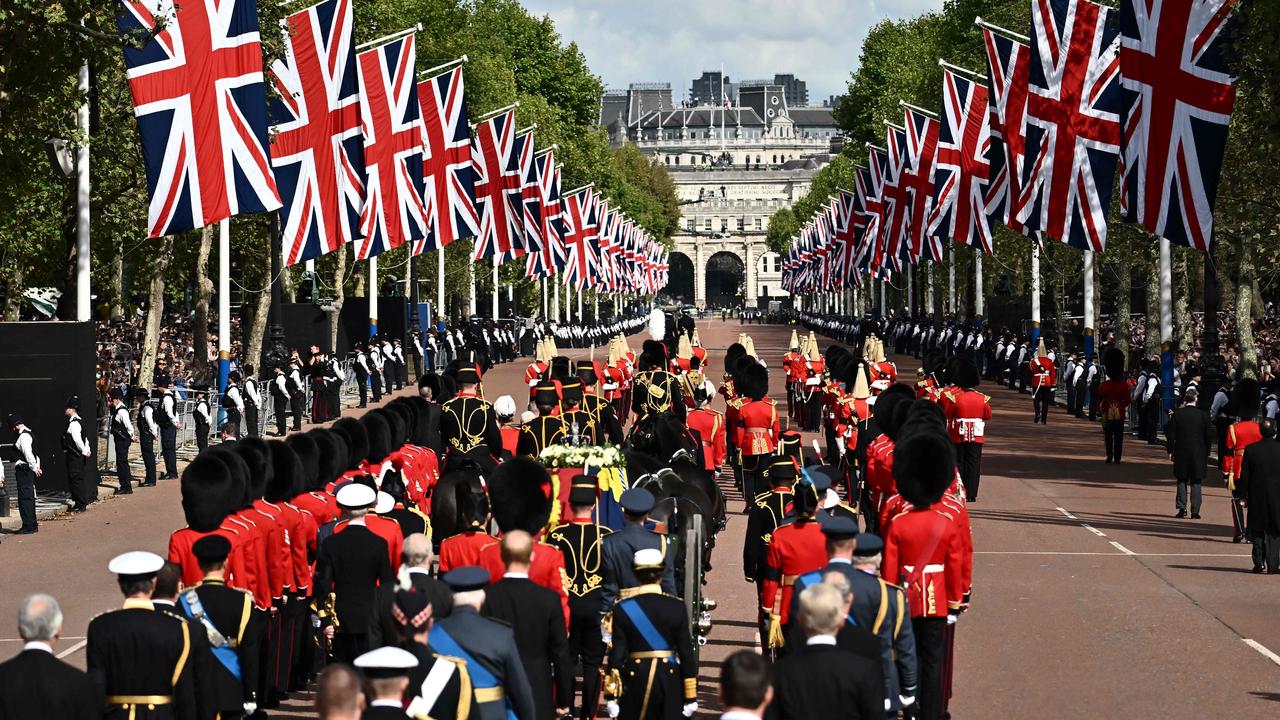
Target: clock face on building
771,112
773,100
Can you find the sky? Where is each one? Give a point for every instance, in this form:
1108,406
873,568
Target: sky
628,41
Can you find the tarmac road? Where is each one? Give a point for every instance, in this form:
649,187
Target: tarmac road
1090,600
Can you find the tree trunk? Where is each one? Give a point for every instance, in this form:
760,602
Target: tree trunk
155,312
117,283
1182,288
360,275
339,292
258,315
1244,308
204,294
13,296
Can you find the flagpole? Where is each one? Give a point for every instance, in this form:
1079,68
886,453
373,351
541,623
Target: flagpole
441,68
977,77
978,298
1088,305
997,29
373,296
928,289
911,290
495,284
389,38
595,308
1035,293
84,309
951,278
917,108
439,283
580,305
471,294
224,308
555,315
1166,326
495,113
543,284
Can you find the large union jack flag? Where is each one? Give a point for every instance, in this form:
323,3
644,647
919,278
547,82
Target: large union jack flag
894,202
201,105
500,218
1073,122
1008,66
317,149
846,237
873,206
446,166
393,211
917,182
550,259
864,240
580,236
961,173
530,197
1177,96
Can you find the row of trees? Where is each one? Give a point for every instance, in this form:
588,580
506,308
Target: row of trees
513,56
899,61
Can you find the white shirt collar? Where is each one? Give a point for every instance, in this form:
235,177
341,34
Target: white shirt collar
38,645
419,571
524,575
844,561
386,703
739,715
166,603
822,640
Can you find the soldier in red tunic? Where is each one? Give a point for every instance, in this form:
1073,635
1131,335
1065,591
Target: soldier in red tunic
1246,396
967,413
795,548
791,362
1044,378
810,388
758,425
709,423
464,549
880,453
1114,398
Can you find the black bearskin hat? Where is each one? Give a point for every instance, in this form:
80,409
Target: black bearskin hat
244,496
421,410
289,478
379,432
397,424
924,464
923,412
209,492
759,380
331,460
306,446
743,380
1113,363
835,354
885,409
731,355
257,455
357,440
964,373
1246,396
448,388
518,495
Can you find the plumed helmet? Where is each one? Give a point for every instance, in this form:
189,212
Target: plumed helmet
209,492
505,406
519,494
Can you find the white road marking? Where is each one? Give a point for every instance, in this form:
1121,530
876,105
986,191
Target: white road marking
1064,512
1093,530
1122,548
72,649
1266,653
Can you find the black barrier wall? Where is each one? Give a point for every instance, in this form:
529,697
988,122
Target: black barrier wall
41,365
353,322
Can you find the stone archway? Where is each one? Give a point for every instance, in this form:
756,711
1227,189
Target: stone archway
680,279
725,280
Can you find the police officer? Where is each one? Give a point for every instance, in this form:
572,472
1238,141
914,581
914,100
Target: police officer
361,368
487,646
620,548
149,430
280,399
76,452
233,406
25,470
122,436
141,659
252,402
297,392
203,418
580,540
653,668
170,424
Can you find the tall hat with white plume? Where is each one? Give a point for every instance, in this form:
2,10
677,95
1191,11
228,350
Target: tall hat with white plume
696,341
657,324
879,356
812,351
750,346
1040,349
861,390
795,341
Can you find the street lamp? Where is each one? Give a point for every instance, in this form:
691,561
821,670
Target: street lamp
60,156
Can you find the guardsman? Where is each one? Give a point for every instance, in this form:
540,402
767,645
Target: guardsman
440,686
541,365
1044,378
651,658
581,540
797,547
758,426
468,425
709,424
656,391
698,351
1245,398
487,646
122,435
968,412
141,659
579,426
614,380
547,428
790,362
883,372
619,548
386,673
233,626
76,452
466,547
599,408
880,453
680,364
767,511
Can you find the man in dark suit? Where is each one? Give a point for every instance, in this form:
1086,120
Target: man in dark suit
537,620
1259,488
429,390
35,684
1188,437
745,689
416,556
352,565
821,679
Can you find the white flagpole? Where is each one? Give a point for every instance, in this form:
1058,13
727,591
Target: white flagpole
471,294
911,294
555,307
373,296
439,284
1088,305
1166,325
83,276
951,278
928,290
1035,293
978,297
595,308
579,305
544,297
224,305
495,285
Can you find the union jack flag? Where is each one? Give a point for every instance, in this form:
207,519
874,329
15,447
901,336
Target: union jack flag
917,182
550,260
446,167
1008,66
610,221
863,240
1073,122
1177,96
530,196
873,204
961,172
394,211
316,148
894,201
201,106
500,217
846,237
580,236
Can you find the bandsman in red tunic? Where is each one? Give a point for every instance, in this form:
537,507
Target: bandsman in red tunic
812,371
758,425
791,363
968,412
709,424
1246,396
1044,378
795,548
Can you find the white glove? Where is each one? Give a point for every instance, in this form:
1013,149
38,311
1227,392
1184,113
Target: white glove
907,700
606,636
690,708
951,619
250,708
611,707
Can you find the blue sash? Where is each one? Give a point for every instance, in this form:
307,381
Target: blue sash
641,621
481,678
225,653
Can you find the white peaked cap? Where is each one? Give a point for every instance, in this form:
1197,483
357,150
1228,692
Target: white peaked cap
137,562
387,658
356,495
648,558
505,405
385,503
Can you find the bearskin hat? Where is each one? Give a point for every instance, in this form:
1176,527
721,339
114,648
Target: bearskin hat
1113,363
331,457
379,431
750,379
289,477
835,354
920,413
519,495
397,427
307,448
257,455
731,355
964,373
244,496
430,380
421,410
209,492
934,361
448,388
357,438
885,410
924,464
1246,396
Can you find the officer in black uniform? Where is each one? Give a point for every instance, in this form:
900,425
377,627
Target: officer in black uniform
468,426
141,659
580,541
122,435
386,672
280,399
656,391
232,405
546,429
654,673
601,410
252,402
579,427
203,418
170,423
767,511
76,451
297,392
487,646
148,432
619,548
360,365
